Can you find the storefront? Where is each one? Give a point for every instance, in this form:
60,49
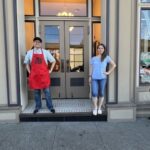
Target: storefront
70,30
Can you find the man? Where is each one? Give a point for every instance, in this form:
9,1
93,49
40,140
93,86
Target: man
36,61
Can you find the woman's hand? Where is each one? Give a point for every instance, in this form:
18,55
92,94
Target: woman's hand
107,73
89,79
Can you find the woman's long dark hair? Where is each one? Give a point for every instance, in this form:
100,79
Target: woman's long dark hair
105,51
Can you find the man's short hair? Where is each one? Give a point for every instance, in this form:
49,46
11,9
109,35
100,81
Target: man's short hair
37,39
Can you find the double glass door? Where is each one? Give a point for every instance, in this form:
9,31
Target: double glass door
68,43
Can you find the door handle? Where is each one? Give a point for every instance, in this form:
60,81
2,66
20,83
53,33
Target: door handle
62,65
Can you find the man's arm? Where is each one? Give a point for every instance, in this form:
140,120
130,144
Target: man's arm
28,68
52,67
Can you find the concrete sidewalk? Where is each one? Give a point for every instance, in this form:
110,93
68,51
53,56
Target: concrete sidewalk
75,136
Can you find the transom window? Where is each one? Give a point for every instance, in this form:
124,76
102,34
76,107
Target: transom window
63,8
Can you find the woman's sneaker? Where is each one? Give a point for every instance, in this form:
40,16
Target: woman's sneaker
94,112
99,111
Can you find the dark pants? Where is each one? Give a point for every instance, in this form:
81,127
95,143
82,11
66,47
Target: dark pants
37,97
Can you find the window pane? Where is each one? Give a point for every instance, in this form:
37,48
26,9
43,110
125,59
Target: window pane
29,7
97,8
76,36
78,57
145,1
145,47
71,57
52,43
63,7
97,37
30,33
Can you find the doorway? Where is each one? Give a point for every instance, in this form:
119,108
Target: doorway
68,43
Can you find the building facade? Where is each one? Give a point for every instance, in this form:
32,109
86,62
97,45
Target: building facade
71,29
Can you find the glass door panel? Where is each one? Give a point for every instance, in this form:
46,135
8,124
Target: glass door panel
76,49
76,42
52,34
68,43
52,43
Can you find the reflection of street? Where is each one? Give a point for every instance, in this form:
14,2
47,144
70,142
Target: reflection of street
77,69
57,65
145,67
56,55
147,71
145,75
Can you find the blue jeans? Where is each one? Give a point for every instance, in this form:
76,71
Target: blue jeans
98,87
37,97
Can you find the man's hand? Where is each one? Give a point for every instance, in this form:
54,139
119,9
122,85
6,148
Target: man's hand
50,71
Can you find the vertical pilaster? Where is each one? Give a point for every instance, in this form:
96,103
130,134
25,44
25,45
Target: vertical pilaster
22,53
122,41
11,52
124,50
112,45
3,74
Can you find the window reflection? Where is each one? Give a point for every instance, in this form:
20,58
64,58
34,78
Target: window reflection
29,7
97,35
145,47
29,34
145,1
96,5
76,49
52,43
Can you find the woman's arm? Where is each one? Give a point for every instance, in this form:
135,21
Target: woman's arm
113,66
90,73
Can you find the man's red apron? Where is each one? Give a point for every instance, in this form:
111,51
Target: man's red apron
39,77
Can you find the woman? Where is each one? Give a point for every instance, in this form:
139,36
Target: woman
98,76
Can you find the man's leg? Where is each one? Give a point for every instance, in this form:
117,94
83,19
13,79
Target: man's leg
37,98
48,99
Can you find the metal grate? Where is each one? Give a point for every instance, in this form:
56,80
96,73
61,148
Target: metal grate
63,106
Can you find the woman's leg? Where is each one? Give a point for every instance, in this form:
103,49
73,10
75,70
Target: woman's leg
94,96
102,84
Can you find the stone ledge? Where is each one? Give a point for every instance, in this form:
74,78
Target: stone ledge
9,114
121,112
143,110
121,105
9,108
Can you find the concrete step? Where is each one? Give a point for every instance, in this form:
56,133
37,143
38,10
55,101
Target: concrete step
62,117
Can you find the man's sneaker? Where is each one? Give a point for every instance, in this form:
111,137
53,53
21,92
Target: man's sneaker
35,111
94,112
99,111
52,110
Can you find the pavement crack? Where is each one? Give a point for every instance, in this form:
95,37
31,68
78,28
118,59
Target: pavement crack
54,136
